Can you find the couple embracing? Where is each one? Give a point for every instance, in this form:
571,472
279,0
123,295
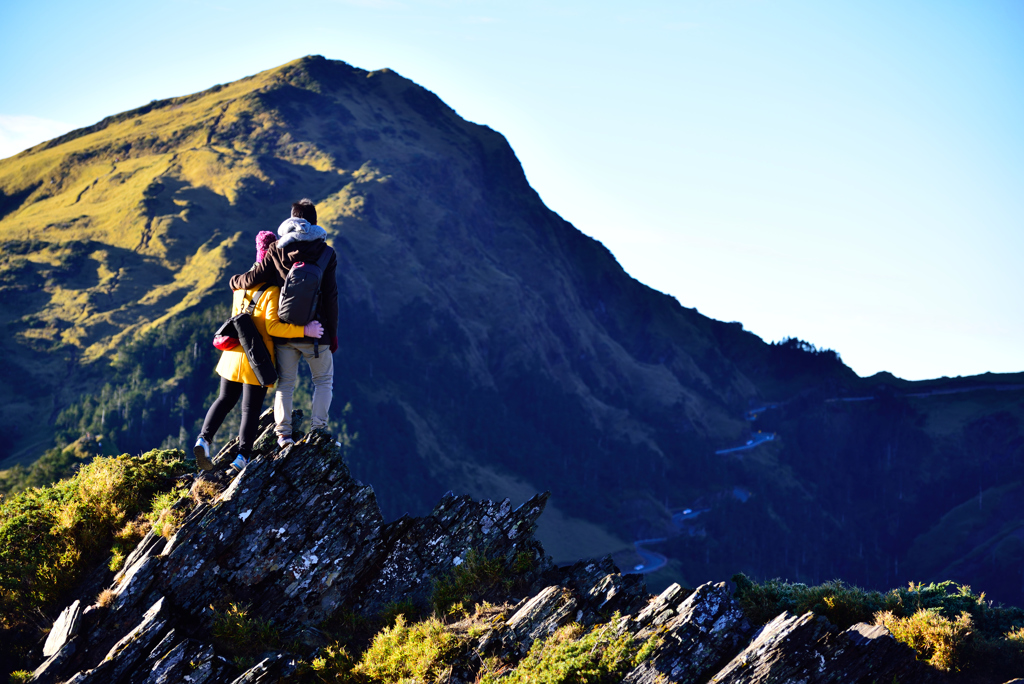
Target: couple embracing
299,240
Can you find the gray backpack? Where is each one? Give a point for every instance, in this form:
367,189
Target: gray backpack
300,294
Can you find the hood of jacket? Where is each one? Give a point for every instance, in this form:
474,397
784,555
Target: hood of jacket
299,230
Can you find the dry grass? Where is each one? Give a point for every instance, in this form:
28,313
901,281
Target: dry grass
204,491
105,598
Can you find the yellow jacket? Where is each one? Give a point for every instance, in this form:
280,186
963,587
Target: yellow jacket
233,364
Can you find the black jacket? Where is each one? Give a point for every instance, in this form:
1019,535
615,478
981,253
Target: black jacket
274,269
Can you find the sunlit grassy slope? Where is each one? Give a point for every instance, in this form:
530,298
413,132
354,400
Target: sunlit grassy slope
110,230
142,213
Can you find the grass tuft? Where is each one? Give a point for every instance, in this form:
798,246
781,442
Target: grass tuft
105,598
125,541
334,663
165,513
243,635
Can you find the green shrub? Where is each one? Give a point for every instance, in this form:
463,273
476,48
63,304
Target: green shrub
842,604
465,582
647,649
49,536
571,655
125,541
20,677
938,640
421,652
389,614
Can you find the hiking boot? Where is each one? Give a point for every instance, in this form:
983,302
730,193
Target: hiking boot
284,440
202,452
239,463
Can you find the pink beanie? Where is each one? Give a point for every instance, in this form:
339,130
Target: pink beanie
264,239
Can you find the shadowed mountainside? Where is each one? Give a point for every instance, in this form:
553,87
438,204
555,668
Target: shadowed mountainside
487,345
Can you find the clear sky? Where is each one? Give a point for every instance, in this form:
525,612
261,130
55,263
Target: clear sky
850,173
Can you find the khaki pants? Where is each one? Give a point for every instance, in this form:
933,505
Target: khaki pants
288,355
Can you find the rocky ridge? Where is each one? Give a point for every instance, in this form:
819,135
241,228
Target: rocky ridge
297,539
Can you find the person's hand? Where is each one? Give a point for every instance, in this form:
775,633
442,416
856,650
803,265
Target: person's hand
313,329
334,344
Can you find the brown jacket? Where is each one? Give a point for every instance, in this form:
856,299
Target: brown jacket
274,269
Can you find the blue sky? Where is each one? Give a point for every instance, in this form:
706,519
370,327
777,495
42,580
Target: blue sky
847,173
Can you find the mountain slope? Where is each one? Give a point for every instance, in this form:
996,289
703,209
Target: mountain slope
487,345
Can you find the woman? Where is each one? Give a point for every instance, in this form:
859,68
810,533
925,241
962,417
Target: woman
237,379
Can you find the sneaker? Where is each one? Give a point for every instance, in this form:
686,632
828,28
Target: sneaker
284,440
239,463
202,452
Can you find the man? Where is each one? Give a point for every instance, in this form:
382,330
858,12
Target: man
300,239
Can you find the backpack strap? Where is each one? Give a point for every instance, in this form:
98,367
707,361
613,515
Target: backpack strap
255,298
321,263
325,258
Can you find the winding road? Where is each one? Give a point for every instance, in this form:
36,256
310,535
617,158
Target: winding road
653,560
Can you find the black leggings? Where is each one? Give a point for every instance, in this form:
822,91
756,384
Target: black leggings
252,402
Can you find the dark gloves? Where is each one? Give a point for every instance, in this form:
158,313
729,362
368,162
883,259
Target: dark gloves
334,344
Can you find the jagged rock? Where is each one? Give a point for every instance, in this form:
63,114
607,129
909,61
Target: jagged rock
552,608
129,650
296,538
275,668
135,582
809,649
421,547
48,672
293,534
151,545
601,590
187,660
64,627
870,653
697,635
661,609
586,592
